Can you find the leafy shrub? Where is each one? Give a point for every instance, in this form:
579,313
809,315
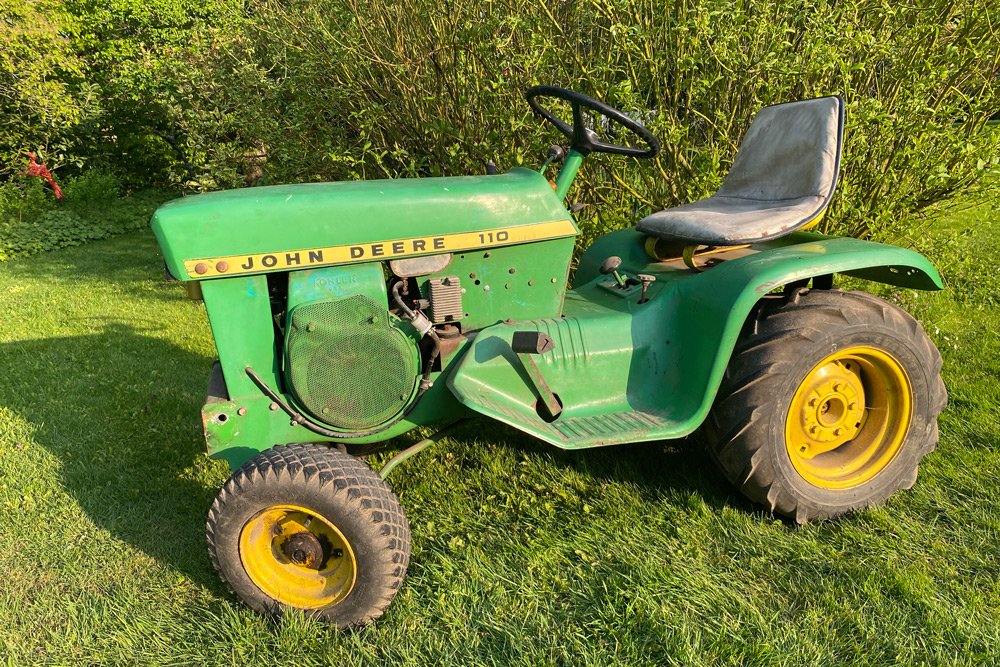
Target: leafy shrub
348,89
222,93
43,94
90,83
32,221
92,187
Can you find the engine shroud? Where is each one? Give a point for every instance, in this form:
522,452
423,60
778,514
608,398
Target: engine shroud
347,363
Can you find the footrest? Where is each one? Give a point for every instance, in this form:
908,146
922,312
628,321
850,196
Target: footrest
591,431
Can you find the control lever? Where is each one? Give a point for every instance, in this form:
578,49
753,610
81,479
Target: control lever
646,280
610,266
525,344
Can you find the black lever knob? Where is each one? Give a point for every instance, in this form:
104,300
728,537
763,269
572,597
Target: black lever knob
611,264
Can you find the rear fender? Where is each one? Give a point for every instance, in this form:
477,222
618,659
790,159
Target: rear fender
717,302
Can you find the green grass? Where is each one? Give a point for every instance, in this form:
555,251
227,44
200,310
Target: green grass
522,554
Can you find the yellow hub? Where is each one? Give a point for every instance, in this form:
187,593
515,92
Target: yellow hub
297,557
848,418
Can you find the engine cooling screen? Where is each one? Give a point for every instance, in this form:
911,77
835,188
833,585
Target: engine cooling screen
347,365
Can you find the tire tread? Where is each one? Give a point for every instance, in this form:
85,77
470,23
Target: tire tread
329,471
754,379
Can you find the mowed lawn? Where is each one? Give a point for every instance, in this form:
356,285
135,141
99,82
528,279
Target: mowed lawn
522,554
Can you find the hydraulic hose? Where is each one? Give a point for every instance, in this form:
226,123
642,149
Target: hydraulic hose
410,315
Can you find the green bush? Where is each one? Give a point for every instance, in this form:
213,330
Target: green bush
364,90
44,97
91,83
333,89
138,54
221,93
32,220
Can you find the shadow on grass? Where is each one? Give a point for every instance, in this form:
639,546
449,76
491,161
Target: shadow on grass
657,469
120,411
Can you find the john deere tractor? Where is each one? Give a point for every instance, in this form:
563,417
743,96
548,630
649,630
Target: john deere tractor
348,313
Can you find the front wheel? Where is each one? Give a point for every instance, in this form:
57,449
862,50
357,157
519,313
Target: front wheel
828,404
309,528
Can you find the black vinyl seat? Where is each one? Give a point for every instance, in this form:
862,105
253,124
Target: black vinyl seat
782,180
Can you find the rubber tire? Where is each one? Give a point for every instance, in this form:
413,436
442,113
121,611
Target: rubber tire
779,345
342,489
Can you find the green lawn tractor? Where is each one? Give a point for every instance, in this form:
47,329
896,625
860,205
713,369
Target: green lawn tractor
348,313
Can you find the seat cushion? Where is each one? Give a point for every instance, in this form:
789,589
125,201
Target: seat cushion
721,220
782,178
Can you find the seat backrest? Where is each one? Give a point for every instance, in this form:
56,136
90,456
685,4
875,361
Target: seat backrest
791,150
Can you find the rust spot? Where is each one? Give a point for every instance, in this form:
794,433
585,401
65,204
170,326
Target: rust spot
222,267
201,268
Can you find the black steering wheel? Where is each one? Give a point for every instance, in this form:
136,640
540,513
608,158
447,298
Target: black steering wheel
583,139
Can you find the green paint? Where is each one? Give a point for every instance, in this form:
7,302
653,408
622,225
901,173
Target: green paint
240,314
335,282
240,437
313,215
493,293
629,372
623,371
568,173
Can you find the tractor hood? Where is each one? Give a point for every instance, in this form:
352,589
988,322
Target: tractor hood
287,227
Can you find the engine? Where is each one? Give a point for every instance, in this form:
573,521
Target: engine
348,364
349,361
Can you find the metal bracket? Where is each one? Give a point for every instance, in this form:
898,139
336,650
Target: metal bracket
417,447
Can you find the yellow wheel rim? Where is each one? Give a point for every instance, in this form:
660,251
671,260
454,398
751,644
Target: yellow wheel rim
848,418
297,557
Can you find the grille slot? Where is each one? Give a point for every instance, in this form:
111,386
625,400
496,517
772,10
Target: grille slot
347,365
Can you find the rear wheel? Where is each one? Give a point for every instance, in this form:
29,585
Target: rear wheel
828,404
307,527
